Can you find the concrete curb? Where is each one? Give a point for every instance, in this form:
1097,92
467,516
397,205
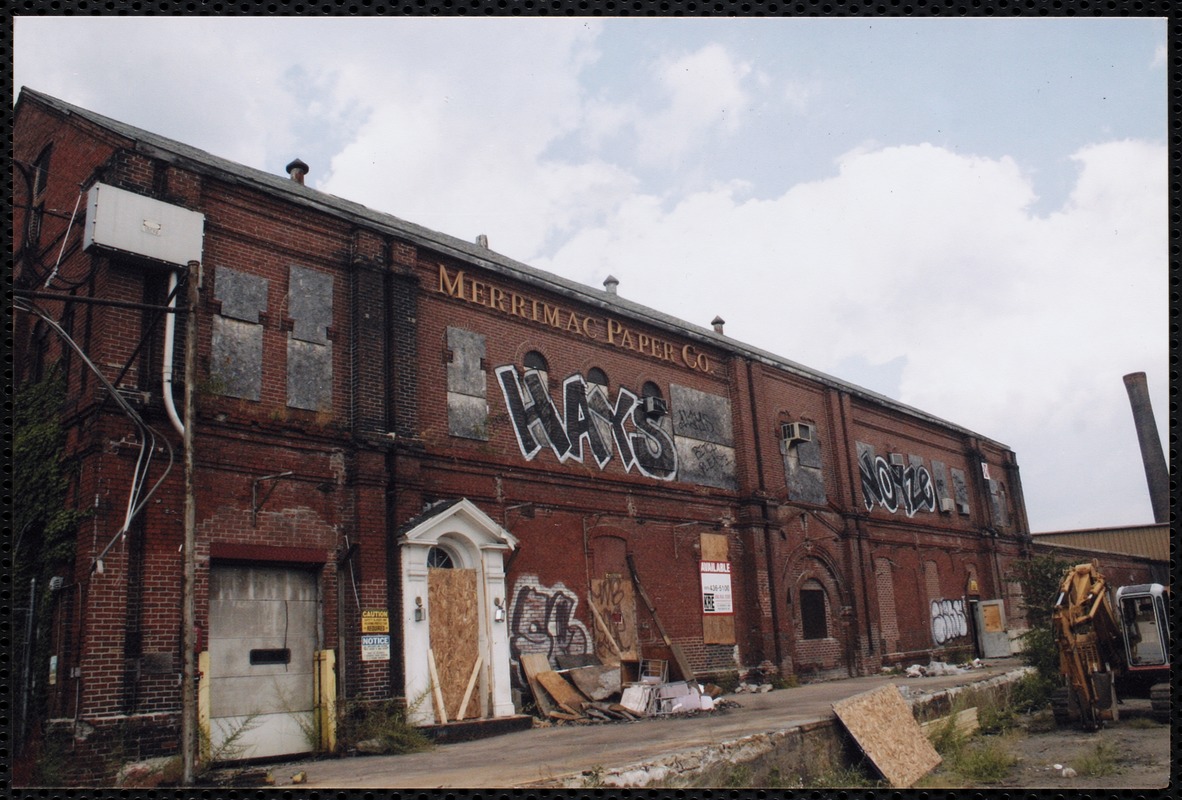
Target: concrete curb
686,765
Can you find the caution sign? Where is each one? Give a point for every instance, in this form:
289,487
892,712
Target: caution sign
375,622
716,588
375,648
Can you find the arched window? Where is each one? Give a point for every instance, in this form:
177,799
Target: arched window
650,389
438,558
597,376
814,617
535,360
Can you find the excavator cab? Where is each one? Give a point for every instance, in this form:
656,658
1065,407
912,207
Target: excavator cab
1146,625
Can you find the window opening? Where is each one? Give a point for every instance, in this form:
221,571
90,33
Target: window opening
650,389
535,360
265,656
597,376
813,618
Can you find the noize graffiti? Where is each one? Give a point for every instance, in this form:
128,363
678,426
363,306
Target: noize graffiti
948,620
892,485
589,422
542,620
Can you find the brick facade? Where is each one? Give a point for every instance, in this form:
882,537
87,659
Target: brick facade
384,368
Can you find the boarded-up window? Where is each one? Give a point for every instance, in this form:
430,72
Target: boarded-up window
813,619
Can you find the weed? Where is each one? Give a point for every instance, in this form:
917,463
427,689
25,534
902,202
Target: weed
385,725
1100,761
737,777
987,762
842,777
1142,723
948,739
1041,722
593,778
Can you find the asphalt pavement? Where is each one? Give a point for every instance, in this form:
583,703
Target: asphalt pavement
548,755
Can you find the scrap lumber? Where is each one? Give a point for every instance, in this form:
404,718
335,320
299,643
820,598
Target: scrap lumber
965,723
569,698
471,685
883,726
531,665
605,630
436,690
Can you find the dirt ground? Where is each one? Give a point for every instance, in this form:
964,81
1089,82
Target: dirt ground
1132,753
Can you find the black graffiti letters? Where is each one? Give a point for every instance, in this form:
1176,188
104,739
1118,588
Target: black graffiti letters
588,422
893,485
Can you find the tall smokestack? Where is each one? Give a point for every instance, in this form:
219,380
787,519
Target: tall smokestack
1156,471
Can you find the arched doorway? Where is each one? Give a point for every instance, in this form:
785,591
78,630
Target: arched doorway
455,638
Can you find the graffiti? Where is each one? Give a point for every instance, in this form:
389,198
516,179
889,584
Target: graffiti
542,620
948,620
588,423
614,600
893,486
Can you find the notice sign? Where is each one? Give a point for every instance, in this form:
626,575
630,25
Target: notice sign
716,588
375,648
375,622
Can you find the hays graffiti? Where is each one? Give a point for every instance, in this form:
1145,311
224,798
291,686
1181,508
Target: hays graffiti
588,425
948,621
894,486
542,620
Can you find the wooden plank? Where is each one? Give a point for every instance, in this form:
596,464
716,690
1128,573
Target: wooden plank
568,697
471,685
605,630
883,726
966,723
717,628
436,692
615,600
531,665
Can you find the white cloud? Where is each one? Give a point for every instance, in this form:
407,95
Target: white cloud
704,93
1016,326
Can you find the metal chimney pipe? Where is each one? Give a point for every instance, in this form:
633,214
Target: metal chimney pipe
1156,471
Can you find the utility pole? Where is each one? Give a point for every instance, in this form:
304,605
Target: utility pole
188,604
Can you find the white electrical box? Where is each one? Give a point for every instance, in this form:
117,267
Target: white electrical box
130,223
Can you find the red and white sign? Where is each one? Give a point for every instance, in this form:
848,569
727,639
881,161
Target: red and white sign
716,588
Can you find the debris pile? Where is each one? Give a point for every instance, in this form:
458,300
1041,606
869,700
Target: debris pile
630,690
937,668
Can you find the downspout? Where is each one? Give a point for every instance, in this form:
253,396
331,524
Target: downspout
773,592
169,345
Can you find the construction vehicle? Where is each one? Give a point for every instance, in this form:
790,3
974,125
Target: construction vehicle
1109,643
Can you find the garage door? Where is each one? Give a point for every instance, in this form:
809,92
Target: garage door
263,624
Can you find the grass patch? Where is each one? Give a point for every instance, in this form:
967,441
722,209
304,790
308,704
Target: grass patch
384,726
1101,760
840,778
986,762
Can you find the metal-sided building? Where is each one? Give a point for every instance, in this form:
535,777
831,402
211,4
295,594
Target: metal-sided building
416,460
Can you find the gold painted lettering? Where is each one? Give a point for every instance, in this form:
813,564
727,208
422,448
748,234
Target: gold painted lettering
642,342
626,340
588,328
496,298
572,323
455,288
477,292
518,306
668,356
613,328
550,314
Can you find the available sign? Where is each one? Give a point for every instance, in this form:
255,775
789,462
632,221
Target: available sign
716,588
375,648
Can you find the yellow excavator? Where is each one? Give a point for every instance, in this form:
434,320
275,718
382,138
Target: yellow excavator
1109,641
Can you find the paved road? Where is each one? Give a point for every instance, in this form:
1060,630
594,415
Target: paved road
545,754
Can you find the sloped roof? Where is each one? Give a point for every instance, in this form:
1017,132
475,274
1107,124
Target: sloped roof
231,172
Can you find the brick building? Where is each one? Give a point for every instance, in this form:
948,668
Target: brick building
414,454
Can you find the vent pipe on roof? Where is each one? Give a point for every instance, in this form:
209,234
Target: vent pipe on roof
610,283
482,241
718,322
1156,471
297,170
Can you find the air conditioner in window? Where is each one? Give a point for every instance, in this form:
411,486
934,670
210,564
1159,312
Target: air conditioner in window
947,505
655,407
795,432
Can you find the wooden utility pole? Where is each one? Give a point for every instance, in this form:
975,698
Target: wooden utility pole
188,605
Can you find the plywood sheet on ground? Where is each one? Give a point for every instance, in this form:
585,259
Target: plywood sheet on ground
531,665
566,695
615,601
453,615
882,724
598,683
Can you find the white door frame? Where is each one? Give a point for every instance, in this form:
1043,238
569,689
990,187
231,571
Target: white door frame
474,541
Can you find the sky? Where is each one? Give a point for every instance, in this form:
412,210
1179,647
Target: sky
966,215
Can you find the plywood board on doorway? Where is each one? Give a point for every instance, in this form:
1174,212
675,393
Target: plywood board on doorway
882,724
716,628
455,631
613,601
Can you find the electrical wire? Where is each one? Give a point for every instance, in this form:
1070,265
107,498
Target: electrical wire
66,238
149,437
